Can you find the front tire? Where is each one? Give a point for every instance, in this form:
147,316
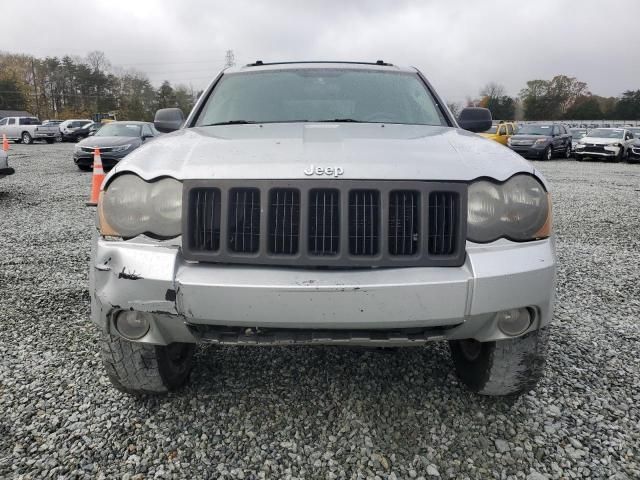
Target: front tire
567,152
548,153
503,367
145,369
26,138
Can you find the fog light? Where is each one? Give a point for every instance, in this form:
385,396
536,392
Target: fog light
133,325
514,322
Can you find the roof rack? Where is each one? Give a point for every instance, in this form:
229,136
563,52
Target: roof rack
259,63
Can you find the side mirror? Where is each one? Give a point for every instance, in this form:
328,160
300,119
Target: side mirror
475,119
168,120
146,137
91,134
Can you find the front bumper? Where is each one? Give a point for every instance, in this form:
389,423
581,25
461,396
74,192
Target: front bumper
109,160
634,155
528,151
585,152
186,298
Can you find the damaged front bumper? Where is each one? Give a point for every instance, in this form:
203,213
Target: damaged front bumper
240,304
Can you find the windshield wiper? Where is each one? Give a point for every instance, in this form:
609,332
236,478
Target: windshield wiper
229,122
340,120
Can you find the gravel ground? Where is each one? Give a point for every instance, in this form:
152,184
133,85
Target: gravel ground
315,412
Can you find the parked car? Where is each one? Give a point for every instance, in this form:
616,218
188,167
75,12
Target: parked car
68,128
264,219
634,151
635,131
541,141
500,133
83,132
115,140
576,135
5,169
28,129
612,144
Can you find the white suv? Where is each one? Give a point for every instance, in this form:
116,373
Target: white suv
323,204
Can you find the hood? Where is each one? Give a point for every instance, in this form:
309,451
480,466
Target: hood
600,140
102,142
361,151
530,137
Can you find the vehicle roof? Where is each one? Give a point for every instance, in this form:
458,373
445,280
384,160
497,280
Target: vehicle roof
134,122
261,67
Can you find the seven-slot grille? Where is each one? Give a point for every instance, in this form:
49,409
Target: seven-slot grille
304,223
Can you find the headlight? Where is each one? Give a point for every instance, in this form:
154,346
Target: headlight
612,146
519,209
540,141
130,207
121,148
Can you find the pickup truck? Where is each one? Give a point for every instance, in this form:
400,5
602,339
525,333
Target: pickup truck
28,129
323,203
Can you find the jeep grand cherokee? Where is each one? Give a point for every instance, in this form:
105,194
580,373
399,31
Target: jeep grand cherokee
323,204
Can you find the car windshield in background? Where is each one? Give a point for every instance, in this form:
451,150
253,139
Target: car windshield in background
606,133
493,129
119,130
578,133
321,95
534,130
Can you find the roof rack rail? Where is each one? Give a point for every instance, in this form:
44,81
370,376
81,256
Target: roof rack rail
259,63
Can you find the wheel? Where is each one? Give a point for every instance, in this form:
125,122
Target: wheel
58,138
50,140
504,367
548,153
143,369
567,151
26,138
619,157
85,168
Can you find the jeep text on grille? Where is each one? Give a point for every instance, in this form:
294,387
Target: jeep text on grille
323,204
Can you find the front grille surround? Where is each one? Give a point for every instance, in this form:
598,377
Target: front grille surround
344,256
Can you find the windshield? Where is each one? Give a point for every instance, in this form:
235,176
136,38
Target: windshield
493,129
119,130
316,95
635,131
606,133
578,133
534,130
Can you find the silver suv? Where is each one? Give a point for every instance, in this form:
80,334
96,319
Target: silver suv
323,204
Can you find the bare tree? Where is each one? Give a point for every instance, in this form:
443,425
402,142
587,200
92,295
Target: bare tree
98,61
492,90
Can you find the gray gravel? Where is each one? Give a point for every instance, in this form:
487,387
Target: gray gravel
315,412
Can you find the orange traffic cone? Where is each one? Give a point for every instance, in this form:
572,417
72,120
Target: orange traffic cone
96,180
5,143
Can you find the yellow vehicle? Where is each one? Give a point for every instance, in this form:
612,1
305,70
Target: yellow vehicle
500,132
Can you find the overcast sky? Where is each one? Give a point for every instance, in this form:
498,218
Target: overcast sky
460,45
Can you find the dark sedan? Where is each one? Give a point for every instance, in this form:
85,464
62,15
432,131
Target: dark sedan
115,140
541,141
82,132
634,151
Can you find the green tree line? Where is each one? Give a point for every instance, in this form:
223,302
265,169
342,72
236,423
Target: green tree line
561,98
77,87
